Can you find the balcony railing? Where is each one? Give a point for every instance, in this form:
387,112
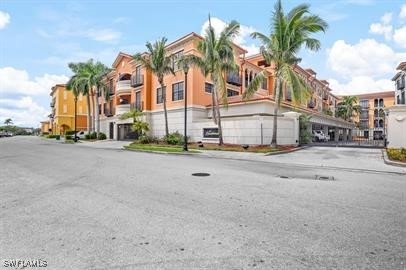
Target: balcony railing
137,80
311,104
122,108
138,107
234,78
123,86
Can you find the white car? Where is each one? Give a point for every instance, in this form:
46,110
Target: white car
79,135
319,136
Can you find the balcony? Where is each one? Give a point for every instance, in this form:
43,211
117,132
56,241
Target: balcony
108,112
122,108
400,84
52,104
311,104
123,87
234,78
137,80
136,106
325,96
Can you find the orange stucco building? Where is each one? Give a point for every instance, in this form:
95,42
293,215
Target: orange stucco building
131,86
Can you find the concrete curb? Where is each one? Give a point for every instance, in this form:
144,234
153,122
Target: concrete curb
161,152
286,151
387,161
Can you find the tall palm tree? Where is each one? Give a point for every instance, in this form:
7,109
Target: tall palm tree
78,80
160,64
348,108
8,122
74,85
215,59
289,33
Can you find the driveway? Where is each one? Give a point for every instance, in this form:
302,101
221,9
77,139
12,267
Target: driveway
115,209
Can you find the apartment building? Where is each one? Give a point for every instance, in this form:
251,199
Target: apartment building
249,122
45,127
372,119
62,117
400,84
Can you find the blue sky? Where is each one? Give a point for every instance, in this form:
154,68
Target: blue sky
365,41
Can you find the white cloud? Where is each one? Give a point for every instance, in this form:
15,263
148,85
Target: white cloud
360,85
384,27
103,34
243,39
23,111
16,81
4,19
402,13
366,58
400,36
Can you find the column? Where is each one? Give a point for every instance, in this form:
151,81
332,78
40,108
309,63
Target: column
115,132
325,130
345,134
336,134
350,135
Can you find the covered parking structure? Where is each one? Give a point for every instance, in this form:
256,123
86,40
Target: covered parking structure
338,129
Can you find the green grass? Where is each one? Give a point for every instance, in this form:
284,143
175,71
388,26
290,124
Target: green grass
235,149
158,148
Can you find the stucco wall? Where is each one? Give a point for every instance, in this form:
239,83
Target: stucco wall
397,126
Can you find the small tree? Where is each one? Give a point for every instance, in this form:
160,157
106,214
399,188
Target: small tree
305,135
139,125
8,122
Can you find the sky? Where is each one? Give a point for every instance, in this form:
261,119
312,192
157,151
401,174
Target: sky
364,43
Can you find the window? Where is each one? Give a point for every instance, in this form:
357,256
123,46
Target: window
160,95
246,78
364,124
80,110
138,100
177,91
111,85
65,95
364,103
264,84
99,108
364,114
375,103
65,108
175,58
208,88
232,93
381,102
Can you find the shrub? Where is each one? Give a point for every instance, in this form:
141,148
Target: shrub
305,135
102,136
93,135
69,132
397,154
144,139
51,136
87,136
173,138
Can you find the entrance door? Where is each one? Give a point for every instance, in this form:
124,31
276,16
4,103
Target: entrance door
111,131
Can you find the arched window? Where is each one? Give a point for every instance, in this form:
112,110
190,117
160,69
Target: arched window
375,103
381,102
376,113
381,113
381,123
376,123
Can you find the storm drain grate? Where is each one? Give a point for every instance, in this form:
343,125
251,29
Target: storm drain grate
324,178
201,174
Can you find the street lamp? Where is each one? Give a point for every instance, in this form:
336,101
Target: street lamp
185,70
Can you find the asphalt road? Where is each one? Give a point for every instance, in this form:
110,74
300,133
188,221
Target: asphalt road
88,208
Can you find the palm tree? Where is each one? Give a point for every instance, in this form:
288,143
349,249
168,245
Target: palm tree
289,32
139,125
160,65
348,108
216,59
8,122
78,80
74,85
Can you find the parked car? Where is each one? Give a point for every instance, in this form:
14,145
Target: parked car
319,136
79,135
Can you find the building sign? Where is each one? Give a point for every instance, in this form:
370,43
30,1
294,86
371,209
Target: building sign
210,133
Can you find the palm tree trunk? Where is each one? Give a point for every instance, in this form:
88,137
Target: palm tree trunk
213,106
93,110
97,115
217,116
88,113
165,111
275,114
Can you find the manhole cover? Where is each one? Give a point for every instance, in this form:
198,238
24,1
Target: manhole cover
284,176
324,178
201,174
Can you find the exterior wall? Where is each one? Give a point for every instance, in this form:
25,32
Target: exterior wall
397,126
45,127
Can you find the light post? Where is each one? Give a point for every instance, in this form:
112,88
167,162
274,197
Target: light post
186,69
